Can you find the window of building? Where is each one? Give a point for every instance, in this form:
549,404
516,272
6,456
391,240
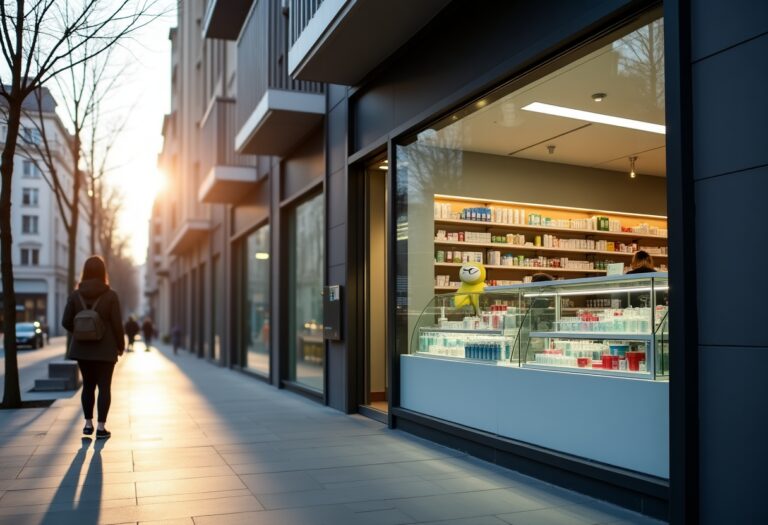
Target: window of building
30,169
306,263
31,135
30,197
30,256
256,303
29,224
556,179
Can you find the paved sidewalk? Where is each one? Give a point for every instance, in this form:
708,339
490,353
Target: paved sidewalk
197,444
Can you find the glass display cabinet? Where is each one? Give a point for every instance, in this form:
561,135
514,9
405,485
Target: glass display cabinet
615,326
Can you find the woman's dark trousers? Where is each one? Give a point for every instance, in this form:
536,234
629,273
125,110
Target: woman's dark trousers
96,373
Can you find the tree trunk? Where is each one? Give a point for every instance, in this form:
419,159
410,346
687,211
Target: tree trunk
92,215
74,216
12,391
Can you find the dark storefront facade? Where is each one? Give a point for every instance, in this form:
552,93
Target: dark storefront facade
371,135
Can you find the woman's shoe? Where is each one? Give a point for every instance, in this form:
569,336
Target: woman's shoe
87,430
103,434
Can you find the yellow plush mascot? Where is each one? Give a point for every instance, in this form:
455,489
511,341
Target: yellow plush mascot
472,277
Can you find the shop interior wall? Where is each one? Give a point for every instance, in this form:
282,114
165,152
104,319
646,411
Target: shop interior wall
730,172
377,285
498,177
466,48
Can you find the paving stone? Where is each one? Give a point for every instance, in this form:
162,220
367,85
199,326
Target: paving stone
195,496
279,482
188,486
69,494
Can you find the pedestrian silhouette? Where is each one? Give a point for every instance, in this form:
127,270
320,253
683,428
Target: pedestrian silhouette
147,332
131,330
92,318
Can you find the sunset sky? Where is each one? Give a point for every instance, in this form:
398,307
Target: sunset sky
145,94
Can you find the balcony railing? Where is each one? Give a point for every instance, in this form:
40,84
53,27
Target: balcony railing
262,70
217,136
301,12
227,174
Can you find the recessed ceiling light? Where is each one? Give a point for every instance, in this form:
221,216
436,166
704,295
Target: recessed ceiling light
262,256
482,103
384,167
599,118
598,97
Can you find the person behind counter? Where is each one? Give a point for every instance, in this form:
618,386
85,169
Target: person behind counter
642,262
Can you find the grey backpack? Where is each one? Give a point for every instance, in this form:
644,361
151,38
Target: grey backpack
88,325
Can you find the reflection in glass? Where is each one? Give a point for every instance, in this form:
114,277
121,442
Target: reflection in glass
256,304
307,348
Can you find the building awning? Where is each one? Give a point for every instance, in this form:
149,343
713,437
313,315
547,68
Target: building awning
225,18
227,184
280,121
189,235
346,39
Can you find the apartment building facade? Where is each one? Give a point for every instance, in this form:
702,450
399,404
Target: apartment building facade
324,155
40,239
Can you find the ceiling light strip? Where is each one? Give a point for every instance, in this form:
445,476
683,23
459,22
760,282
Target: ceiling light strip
599,118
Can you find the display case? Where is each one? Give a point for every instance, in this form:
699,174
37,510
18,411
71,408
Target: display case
615,326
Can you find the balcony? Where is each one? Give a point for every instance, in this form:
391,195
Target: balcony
274,111
228,175
188,236
224,18
341,41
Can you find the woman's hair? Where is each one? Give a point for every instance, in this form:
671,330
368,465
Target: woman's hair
94,268
541,277
642,259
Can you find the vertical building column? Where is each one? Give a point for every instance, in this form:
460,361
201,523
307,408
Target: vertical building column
729,43
341,390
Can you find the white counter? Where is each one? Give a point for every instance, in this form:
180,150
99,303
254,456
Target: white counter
618,421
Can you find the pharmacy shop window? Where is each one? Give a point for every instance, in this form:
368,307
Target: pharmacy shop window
562,172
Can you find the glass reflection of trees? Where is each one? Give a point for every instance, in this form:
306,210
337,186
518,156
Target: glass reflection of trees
257,300
307,352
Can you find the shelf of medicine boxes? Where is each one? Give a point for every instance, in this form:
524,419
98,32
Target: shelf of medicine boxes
525,268
502,226
523,247
595,336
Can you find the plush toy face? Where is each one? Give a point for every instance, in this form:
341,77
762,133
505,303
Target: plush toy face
472,273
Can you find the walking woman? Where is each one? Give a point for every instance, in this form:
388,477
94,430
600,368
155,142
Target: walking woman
92,318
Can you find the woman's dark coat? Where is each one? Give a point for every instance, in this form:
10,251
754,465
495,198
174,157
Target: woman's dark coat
113,342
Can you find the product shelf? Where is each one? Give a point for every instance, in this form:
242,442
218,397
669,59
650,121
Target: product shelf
525,268
501,245
547,229
591,371
603,336
476,331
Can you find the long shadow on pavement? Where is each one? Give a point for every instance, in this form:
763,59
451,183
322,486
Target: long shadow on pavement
66,500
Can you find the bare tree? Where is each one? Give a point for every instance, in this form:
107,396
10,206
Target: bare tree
40,40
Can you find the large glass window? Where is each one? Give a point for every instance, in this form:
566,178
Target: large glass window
307,260
522,179
256,304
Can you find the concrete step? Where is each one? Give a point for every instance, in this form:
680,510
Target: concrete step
53,385
65,370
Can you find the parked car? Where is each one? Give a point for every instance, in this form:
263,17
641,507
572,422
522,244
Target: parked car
29,334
